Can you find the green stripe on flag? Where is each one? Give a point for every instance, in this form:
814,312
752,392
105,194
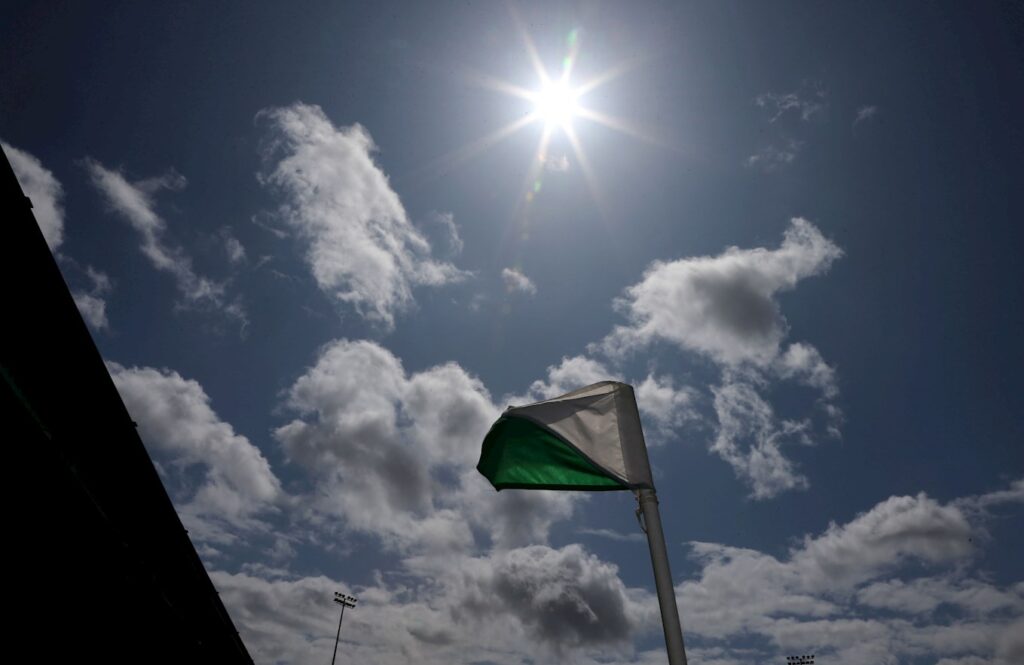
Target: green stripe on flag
520,454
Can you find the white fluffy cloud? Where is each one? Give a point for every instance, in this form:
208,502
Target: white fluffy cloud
395,454
46,192
908,555
665,405
750,439
724,306
360,245
804,363
571,373
516,282
532,602
176,420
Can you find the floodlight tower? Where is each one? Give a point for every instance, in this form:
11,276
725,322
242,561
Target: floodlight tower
800,660
344,601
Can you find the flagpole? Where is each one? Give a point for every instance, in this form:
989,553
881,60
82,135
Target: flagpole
662,577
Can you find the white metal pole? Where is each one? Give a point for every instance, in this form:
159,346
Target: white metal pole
662,578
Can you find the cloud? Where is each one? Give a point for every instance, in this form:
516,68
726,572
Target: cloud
611,534
533,602
982,504
176,421
725,309
539,603
46,192
750,439
895,530
865,113
394,454
133,201
926,595
908,555
787,113
803,105
232,246
665,406
804,363
92,308
772,157
92,304
517,282
556,163
571,373
360,245
566,597
724,306
449,231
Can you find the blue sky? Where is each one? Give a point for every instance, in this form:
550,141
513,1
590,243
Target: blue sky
318,270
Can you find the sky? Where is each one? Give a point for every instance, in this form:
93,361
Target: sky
321,246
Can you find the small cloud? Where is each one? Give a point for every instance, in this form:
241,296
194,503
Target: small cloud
232,246
100,280
448,234
93,309
516,281
476,303
261,220
771,158
91,304
803,104
134,202
865,113
557,163
612,534
43,189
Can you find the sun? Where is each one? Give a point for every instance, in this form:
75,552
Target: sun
556,104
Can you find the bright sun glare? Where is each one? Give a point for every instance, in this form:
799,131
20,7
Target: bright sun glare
556,104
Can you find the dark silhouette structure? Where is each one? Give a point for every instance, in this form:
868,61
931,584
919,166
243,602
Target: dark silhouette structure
100,566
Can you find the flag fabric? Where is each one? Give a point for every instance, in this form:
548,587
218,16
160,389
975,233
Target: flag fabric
588,439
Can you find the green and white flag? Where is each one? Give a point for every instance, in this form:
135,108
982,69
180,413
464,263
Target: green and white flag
588,439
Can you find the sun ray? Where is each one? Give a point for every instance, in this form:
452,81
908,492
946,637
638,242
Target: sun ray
609,75
531,49
588,171
532,182
460,155
620,125
498,85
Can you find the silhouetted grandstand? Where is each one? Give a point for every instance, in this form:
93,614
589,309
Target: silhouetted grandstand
102,569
